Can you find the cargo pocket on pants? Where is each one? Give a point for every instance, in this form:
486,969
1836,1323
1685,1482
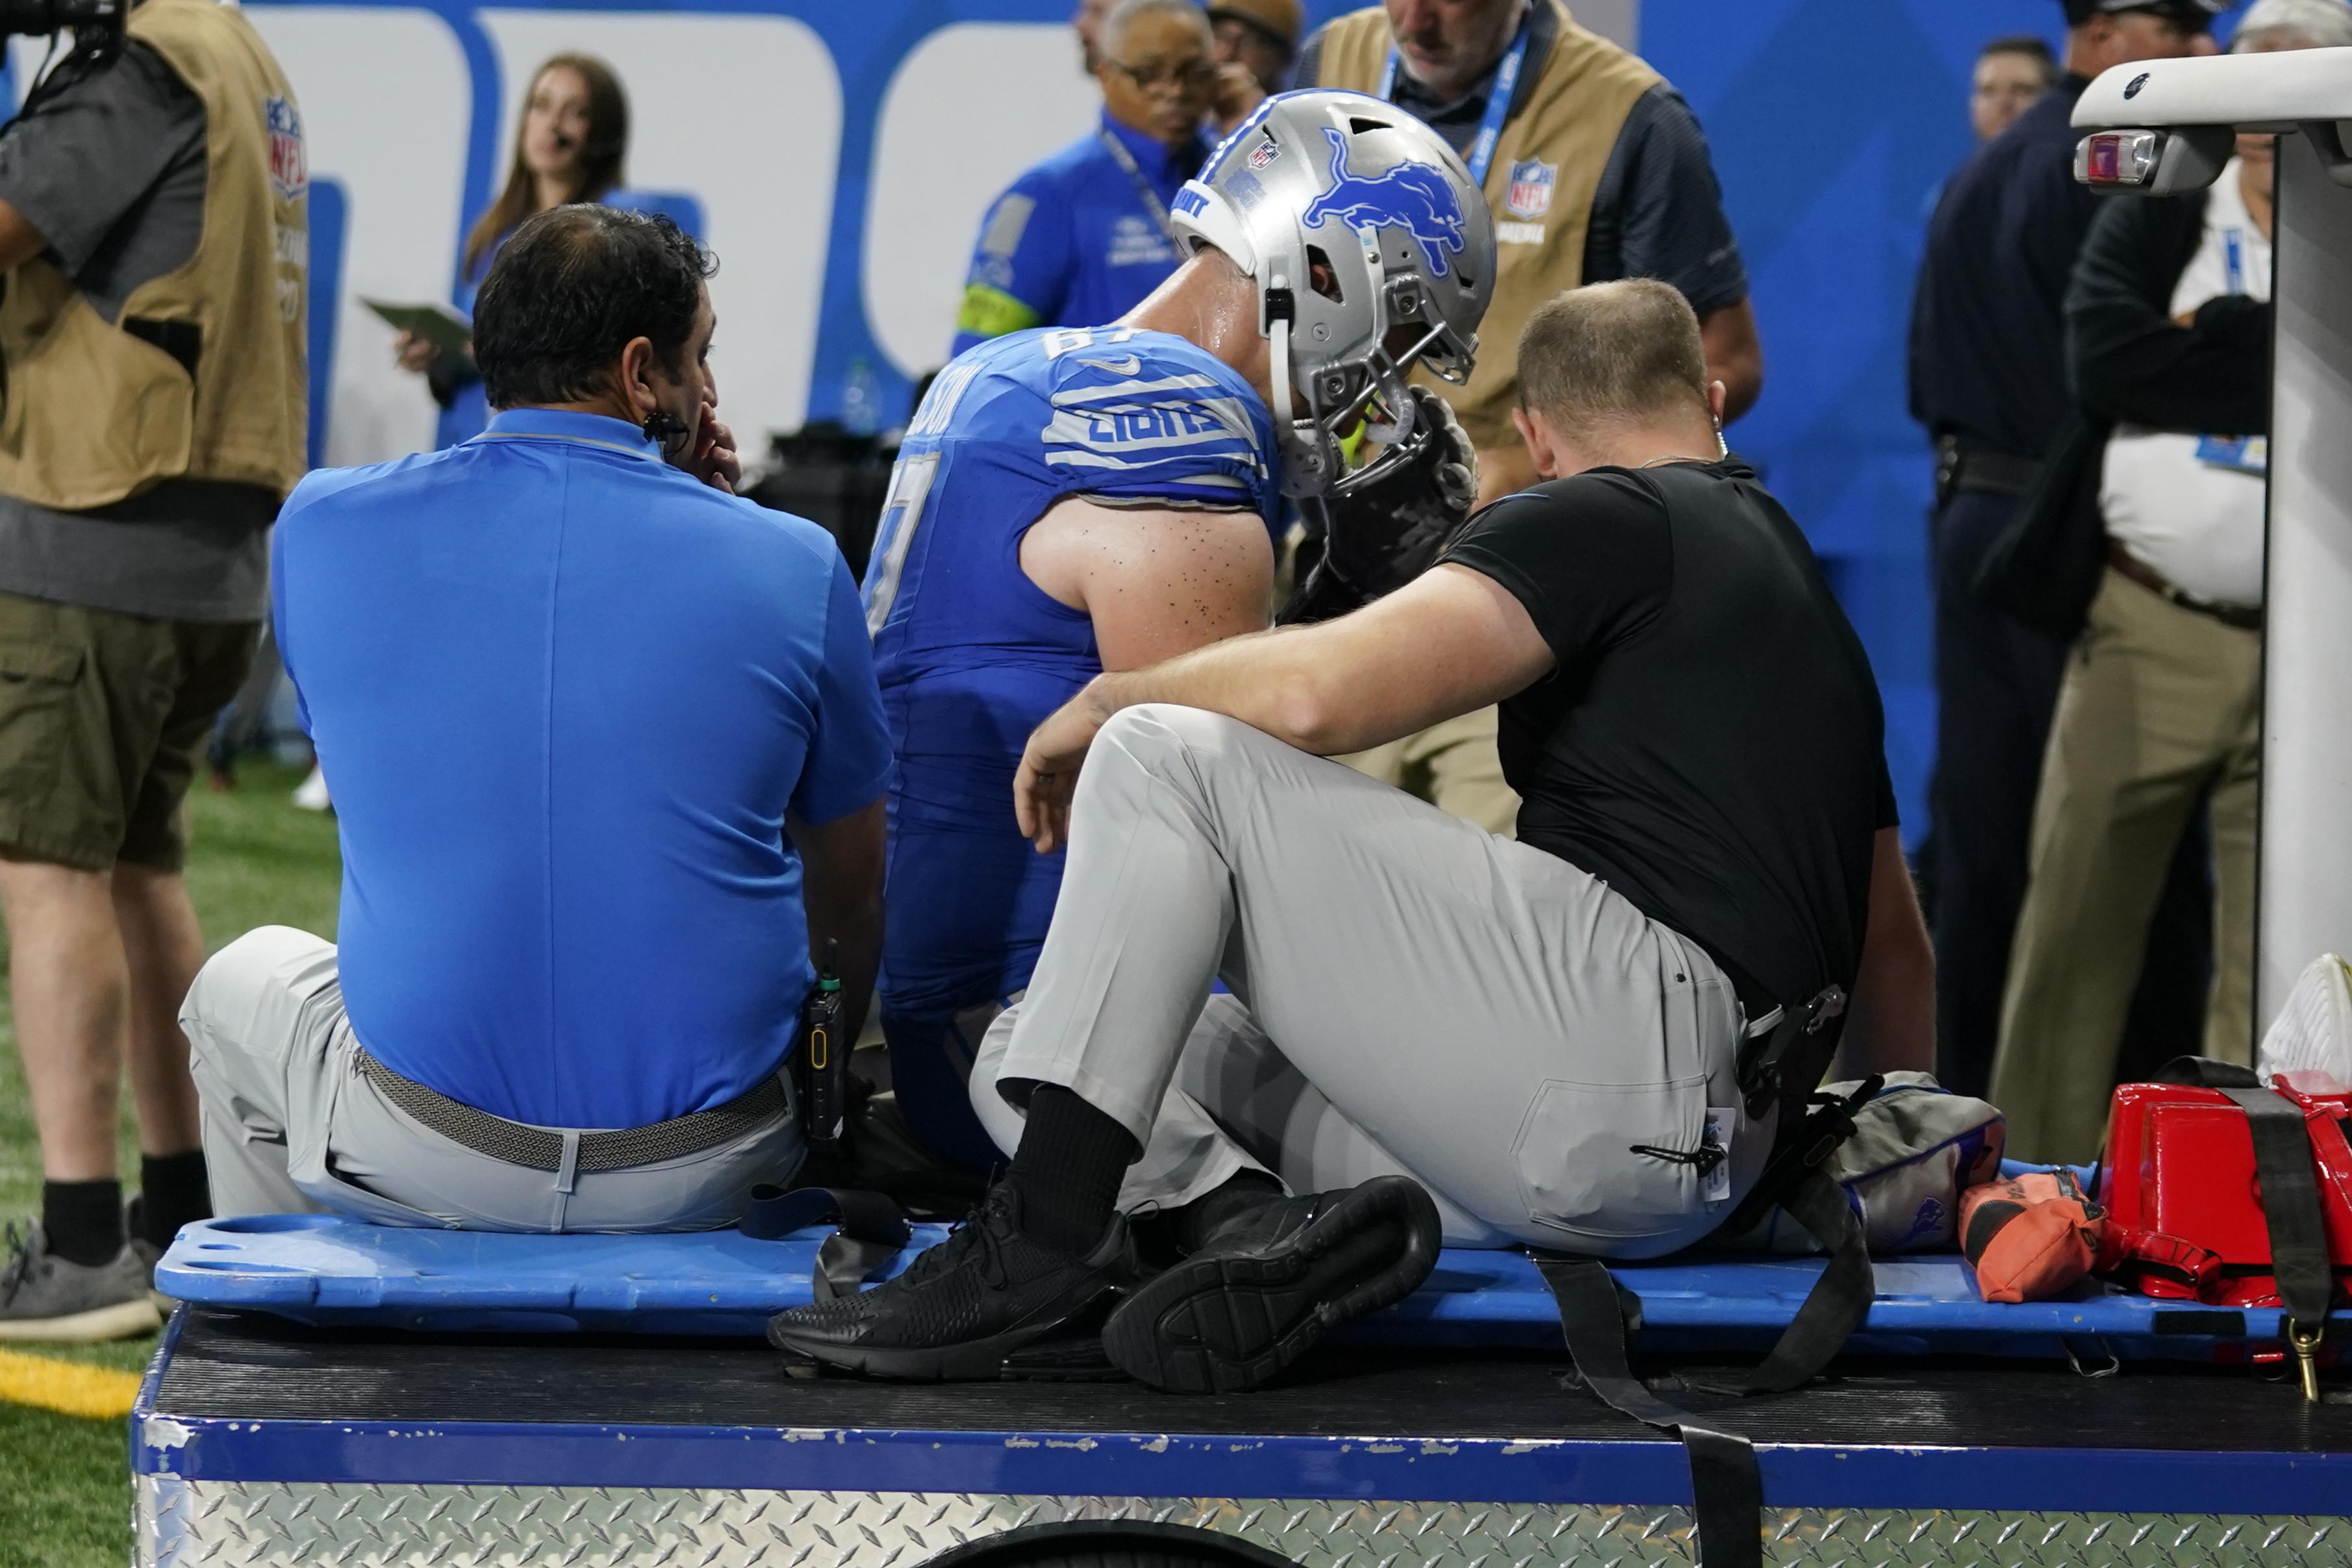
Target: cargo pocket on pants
36,679
1578,1168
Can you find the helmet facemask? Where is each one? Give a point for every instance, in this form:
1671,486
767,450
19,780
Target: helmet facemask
1318,409
1403,246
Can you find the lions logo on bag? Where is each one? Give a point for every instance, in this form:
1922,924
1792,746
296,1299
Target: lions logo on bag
1412,196
289,169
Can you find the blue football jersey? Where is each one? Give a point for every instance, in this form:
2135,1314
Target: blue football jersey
973,655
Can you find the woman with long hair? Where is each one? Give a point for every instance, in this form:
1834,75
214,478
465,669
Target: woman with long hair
569,148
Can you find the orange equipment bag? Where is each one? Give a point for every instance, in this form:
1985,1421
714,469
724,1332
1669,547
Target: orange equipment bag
2031,1236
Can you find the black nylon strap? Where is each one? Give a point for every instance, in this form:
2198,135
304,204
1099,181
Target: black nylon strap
2284,1166
1726,1485
1727,1488
2287,1170
1832,1308
873,1230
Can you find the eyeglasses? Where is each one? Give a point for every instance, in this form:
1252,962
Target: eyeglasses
1190,75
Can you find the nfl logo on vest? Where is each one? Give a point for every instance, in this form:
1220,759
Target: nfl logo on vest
1529,195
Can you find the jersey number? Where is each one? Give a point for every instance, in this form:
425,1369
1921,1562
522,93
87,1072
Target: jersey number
902,514
1063,339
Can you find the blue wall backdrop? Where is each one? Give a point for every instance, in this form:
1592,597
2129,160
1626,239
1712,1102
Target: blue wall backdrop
841,154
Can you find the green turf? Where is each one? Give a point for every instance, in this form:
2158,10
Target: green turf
64,1494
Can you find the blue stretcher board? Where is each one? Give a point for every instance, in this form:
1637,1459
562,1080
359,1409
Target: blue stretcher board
326,1270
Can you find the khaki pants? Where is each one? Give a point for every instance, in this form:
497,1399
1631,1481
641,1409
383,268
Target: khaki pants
1453,766
2161,708
1410,993
292,1125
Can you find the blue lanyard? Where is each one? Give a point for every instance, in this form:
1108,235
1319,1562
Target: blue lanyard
1143,191
2233,261
1498,100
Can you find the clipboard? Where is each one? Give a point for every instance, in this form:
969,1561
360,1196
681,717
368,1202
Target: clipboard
439,325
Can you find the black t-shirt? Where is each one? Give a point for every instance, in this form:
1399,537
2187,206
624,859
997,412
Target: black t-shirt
1711,743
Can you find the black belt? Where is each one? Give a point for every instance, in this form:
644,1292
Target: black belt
537,1149
2126,564
1962,470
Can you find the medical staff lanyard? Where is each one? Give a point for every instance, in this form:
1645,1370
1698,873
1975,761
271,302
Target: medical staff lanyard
1150,198
1498,100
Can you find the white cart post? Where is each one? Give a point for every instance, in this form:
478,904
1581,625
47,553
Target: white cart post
2305,898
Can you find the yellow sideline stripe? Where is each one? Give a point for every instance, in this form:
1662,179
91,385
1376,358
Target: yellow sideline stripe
65,1386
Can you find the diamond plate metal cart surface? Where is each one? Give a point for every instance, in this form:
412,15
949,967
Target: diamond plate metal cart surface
378,1527
257,1443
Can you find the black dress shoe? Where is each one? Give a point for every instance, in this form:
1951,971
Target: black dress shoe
961,1308
1267,1283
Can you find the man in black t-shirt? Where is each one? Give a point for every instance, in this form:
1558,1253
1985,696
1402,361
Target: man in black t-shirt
1530,1042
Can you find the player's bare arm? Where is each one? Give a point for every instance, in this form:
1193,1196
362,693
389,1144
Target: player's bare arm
1891,1024
1156,580
1450,642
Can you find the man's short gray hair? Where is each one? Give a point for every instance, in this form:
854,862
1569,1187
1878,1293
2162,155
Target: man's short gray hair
1612,354
1114,27
2321,24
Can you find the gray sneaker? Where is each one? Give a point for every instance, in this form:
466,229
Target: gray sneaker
147,1253
44,1297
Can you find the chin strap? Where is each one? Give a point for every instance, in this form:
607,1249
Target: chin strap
1279,372
1280,311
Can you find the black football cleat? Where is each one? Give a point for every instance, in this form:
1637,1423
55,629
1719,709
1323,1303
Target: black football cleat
1266,1284
962,1308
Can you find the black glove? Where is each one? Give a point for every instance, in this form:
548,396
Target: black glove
1381,537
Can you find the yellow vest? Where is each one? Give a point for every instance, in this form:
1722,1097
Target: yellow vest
1567,125
92,413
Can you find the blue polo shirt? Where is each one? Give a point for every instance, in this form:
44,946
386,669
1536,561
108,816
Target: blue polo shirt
1072,243
564,696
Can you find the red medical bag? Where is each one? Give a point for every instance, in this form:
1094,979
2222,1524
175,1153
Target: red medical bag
2179,1175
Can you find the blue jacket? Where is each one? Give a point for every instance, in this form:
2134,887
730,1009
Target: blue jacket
1071,243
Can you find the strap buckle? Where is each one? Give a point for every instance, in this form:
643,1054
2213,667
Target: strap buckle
1771,1038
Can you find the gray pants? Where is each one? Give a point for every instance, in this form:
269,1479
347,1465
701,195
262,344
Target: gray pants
290,1123
1411,994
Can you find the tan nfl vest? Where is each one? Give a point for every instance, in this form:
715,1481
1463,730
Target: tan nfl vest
94,413
1565,129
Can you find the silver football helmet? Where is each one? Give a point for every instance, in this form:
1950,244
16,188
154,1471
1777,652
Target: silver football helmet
1372,250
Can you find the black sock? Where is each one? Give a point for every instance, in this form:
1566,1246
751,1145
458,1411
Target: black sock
1067,1172
173,1192
83,1221
1244,1190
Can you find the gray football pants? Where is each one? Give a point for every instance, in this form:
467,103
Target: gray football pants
291,1124
1410,993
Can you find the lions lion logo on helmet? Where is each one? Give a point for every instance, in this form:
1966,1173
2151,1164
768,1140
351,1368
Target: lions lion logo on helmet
1412,196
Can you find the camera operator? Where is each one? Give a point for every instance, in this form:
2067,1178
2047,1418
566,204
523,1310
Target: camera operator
153,250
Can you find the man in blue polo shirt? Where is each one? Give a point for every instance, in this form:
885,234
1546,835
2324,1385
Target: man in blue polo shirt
1082,237
609,759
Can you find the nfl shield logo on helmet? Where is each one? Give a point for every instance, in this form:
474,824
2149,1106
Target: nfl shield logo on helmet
290,168
1265,152
1529,195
